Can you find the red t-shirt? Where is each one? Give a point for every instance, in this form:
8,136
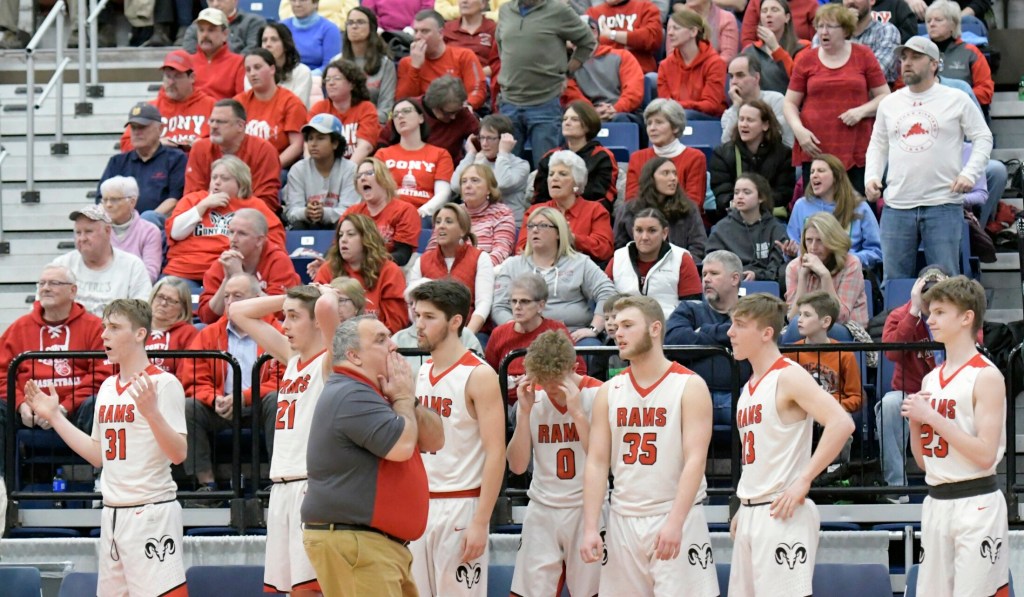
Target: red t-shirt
828,92
455,61
589,222
259,155
221,76
386,299
358,122
397,222
642,23
426,165
482,43
273,120
184,122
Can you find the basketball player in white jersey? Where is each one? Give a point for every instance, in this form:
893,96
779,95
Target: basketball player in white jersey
465,476
775,530
138,431
652,423
958,436
553,423
303,347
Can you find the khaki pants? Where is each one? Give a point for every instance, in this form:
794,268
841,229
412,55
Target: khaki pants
359,563
139,13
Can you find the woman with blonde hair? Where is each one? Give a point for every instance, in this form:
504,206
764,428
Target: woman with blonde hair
456,256
830,190
693,74
396,220
825,263
359,253
574,280
493,222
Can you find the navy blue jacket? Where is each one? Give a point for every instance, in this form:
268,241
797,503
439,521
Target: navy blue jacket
162,177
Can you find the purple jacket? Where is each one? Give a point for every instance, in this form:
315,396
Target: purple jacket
144,240
395,15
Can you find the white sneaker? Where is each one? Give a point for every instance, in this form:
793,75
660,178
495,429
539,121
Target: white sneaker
903,499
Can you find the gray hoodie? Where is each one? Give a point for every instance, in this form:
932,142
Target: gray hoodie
574,283
753,243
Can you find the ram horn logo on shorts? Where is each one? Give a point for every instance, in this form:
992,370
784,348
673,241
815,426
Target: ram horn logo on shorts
700,555
469,574
990,548
159,548
790,555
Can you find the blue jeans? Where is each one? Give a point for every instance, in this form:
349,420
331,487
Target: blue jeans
893,431
721,403
541,124
937,229
995,180
696,115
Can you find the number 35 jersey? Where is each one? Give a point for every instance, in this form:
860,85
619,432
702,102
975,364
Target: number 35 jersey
558,455
135,470
647,442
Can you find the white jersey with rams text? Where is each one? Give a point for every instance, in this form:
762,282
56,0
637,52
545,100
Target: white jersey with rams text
296,400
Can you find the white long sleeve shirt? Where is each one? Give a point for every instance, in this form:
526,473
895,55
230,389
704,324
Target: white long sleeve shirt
920,137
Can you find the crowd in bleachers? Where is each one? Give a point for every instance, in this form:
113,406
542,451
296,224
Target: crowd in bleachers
410,130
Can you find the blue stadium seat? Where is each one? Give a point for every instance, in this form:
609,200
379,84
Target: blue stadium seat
43,533
211,581
621,138
425,234
317,240
912,582
211,532
897,292
851,580
79,584
650,89
840,526
268,9
704,135
756,286
20,581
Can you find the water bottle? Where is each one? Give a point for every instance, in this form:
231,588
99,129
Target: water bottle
60,485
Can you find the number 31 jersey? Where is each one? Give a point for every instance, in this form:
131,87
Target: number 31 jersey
558,455
135,470
647,442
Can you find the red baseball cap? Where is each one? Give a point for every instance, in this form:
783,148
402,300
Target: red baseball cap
179,61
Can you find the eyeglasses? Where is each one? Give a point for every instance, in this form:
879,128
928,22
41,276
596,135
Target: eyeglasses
112,200
357,23
532,227
403,112
163,300
365,174
488,139
521,302
337,79
52,283
344,299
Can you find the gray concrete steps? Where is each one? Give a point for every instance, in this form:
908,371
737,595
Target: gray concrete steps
56,201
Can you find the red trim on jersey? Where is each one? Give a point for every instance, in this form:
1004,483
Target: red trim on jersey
585,382
302,365
779,364
178,591
451,495
976,361
562,409
673,368
151,370
467,358
309,585
358,377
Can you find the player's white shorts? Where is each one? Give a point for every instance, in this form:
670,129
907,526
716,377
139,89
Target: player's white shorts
437,566
549,554
965,544
287,566
633,569
141,551
775,556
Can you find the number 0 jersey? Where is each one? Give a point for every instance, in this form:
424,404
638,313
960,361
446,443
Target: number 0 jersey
135,470
558,455
953,398
296,401
647,442
773,453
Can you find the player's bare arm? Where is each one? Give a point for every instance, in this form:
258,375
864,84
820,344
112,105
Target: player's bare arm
327,317
696,426
520,447
595,477
47,407
143,391
798,396
483,395
989,408
574,406
248,316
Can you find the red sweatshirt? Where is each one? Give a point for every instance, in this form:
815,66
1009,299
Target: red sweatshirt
387,297
275,273
699,85
185,122
595,74
204,378
589,222
221,76
803,20
177,337
455,61
74,379
259,155
504,339
193,255
641,20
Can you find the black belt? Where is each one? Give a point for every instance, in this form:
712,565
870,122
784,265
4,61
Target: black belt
341,526
963,489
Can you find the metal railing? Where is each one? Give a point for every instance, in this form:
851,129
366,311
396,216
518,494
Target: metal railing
56,15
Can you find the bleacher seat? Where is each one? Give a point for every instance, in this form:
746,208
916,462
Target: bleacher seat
723,571
212,532
840,526
20,581
211,581
704,135
869,292
425,234
650,89
766,286
851,580
268,9
897,292
43,533
621,138
912,582
317,240
79,584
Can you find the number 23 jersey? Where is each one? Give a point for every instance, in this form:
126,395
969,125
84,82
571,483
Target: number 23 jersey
647,442
135,470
